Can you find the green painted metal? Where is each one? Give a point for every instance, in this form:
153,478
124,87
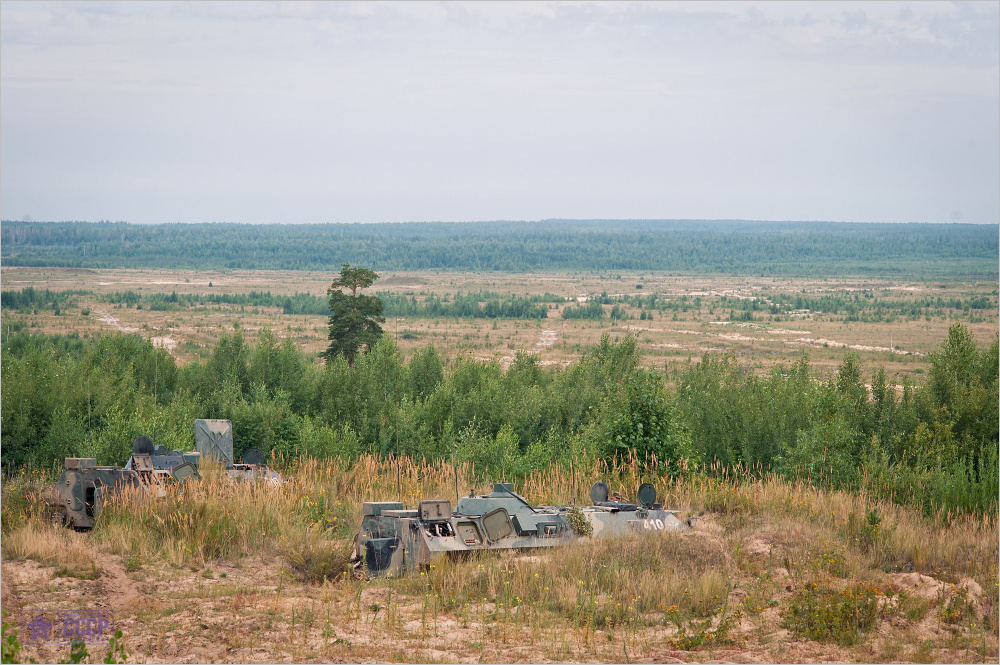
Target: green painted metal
393,539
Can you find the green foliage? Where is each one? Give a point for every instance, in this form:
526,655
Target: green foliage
592,311
954,606
693,632
738,247
737,416
935,446
354,318
77,651
30,299
963,383
823,452
579,522
424,373
116,649
495,457
481,305
9,643
823,614
642,422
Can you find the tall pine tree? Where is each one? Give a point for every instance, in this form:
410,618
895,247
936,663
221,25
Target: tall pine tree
355,318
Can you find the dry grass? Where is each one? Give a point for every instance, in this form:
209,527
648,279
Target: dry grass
68,552
192,333
250,567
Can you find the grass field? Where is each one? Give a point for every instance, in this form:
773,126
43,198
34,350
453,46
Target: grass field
771,571
699,321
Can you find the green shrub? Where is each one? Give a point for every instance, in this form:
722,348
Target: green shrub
823,614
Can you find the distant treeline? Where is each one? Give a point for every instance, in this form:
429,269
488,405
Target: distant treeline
478,305
30,298
770,248
495,306
864,306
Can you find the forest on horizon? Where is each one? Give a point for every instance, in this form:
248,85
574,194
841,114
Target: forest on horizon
763,248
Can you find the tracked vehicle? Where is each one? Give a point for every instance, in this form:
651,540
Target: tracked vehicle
393,539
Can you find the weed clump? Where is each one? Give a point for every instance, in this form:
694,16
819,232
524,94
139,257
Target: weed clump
821,613
314,557
579,522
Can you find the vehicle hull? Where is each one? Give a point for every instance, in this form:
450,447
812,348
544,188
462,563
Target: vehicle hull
393,540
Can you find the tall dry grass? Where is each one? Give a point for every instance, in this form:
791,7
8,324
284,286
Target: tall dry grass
219,518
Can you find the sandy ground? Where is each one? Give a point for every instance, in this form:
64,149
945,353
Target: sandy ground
254,611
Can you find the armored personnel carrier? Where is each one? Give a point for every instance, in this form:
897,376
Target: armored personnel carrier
393,538
84,485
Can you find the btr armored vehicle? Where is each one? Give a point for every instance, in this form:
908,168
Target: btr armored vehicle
393,538
84,486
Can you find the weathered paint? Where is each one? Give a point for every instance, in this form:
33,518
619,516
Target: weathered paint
393,539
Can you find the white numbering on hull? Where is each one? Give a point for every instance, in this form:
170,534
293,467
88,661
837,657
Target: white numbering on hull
653,525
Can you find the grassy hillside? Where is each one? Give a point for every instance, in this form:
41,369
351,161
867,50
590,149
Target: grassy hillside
772,570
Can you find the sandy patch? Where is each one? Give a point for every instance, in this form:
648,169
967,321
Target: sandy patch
547,338
167,342
857,347
112,320
917,584
736,337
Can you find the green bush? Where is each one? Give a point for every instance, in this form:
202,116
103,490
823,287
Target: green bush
642,422
823,614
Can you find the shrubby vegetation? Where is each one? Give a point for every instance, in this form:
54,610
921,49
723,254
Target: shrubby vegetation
474,305
933,445
31,299
467,305
708,246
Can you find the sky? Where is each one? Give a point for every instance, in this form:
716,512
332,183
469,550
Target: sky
382,112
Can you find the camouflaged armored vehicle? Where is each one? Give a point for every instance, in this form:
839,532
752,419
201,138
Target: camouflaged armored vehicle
393,538
84,486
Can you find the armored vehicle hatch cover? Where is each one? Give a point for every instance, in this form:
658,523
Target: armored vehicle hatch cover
214,438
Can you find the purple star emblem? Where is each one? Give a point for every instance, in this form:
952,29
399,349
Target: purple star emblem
40,629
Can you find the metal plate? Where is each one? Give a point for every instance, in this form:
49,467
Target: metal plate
214,438
497,524
468,533
142,462
253,456
432,510
142,445
599,492
184,472
646,494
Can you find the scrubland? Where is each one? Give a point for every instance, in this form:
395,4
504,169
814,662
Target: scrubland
771,570
842,474
693,313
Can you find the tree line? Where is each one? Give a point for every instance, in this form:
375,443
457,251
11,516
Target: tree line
933,445
771,248
474,305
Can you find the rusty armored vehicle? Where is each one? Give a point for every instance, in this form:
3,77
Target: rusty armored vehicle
393,539
84,485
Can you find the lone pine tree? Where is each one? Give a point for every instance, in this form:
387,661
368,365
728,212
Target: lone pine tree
354,318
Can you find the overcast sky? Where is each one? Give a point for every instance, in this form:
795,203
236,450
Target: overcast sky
371,112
